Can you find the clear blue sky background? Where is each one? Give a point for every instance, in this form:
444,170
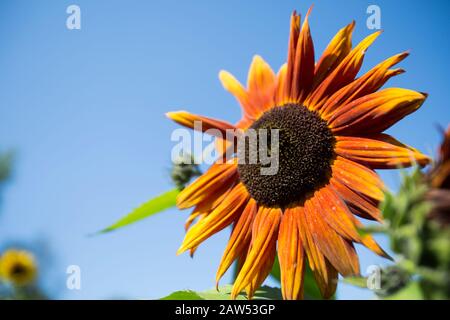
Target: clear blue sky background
85,112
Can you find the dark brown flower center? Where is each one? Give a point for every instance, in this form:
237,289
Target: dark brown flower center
18,269
305,152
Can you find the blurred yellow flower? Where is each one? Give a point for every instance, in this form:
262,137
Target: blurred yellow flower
18,267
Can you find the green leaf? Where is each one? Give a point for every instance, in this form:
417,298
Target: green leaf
276,273
224,293
160,203
310,287
183,295
356,281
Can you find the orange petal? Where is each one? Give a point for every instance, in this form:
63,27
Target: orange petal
190,120
367,84
327,279
280,98
192,251
213,200
261,84
375,112
264,236
338,48
379,151
335,212
314,256
368,241
358,178
348,224
340,252
344,73
261,87
241,259
217,220
324,273
303,65
196,214
292,47
232,85
239,240
202,209
215,180
360,205
291,257
262,272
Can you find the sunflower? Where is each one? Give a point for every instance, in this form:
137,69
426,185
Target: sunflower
330,142
18,267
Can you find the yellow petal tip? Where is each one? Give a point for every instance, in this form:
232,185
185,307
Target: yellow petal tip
223,73
181,250
171,114
257,58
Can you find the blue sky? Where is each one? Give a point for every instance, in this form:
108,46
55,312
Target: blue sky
84,110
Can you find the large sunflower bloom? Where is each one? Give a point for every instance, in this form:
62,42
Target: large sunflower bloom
331,141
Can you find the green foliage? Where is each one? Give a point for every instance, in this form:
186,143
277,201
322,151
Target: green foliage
5,165
183,295
422,244
393,279
406,214
158,204
224,293
183,170
412,291
31,292
356,281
